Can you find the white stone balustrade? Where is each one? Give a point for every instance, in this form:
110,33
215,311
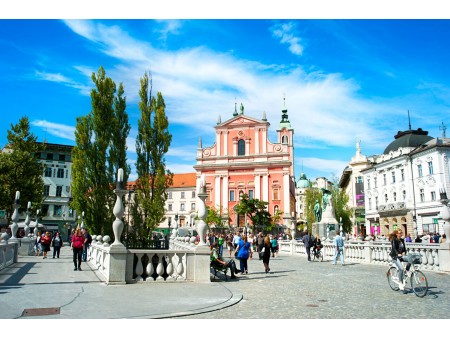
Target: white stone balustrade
8,253
371,252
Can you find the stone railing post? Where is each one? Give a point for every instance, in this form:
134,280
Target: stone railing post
15,219
117,252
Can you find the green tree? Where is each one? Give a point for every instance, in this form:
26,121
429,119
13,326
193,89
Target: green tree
213,216
152,144
340,199
311,196
100,149
256,211
120,130
20,169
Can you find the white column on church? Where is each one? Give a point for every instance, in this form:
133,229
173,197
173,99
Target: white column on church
287,204
264,141
225,144
257,141
234,148
258,187
247,147
217,190
225,193
218,137
265,188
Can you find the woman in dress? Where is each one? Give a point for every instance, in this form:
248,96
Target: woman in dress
46,239
266,254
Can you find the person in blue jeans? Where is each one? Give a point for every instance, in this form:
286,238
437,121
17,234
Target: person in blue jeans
339,248
243,252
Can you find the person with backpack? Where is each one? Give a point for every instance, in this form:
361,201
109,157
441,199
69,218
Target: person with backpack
308,240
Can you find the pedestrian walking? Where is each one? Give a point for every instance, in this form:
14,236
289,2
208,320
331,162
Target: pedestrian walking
308,240
57,244
87,243
236,240
274,245
220,242
339,248
229,240
45,242
77,248
37,244
260,245
243,253
266,250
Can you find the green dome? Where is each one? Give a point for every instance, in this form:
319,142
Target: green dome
302,182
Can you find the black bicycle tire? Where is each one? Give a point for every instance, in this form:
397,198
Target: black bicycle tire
392,272
419,291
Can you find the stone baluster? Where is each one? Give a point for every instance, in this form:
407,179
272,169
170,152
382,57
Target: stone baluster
15,219
160,269
139,267
435,253
150,270
169,269
118,210
429,253
36,225
201,224
27,220
423,252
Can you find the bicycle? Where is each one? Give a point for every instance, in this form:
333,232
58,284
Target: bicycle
419,283
318,254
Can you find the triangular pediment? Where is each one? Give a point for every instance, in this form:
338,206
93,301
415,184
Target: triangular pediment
241,120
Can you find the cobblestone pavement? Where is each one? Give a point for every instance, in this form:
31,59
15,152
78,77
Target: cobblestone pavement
296,289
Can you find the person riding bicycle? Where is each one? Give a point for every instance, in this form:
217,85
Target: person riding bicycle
398,254
317,245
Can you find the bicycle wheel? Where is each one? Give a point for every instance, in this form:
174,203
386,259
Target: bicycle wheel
419,283
314,256
320,258
392,276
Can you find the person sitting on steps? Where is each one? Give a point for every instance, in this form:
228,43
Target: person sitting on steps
230,263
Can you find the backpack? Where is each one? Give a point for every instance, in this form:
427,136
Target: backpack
311,241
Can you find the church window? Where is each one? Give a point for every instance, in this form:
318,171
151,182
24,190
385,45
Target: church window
241,148
284,140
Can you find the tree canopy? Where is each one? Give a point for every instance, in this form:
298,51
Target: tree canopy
20,168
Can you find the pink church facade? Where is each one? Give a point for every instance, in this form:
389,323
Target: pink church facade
243,161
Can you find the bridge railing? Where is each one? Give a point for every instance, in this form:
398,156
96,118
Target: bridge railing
8,253
372,252
183,261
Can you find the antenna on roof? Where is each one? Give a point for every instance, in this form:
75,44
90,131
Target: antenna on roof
443,128
409,121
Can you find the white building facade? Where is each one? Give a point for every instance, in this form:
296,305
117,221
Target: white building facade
403,185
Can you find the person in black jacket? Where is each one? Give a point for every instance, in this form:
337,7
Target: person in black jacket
398,254
308,240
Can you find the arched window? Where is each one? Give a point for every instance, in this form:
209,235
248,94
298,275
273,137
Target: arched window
241,147
275,209
284,140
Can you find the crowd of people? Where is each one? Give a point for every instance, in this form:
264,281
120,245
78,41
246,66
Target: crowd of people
79,240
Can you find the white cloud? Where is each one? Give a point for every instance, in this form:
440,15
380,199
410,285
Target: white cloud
328,167
199,84
59,78
177,168
56,129
285,32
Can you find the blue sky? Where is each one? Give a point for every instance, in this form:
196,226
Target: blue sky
344,80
